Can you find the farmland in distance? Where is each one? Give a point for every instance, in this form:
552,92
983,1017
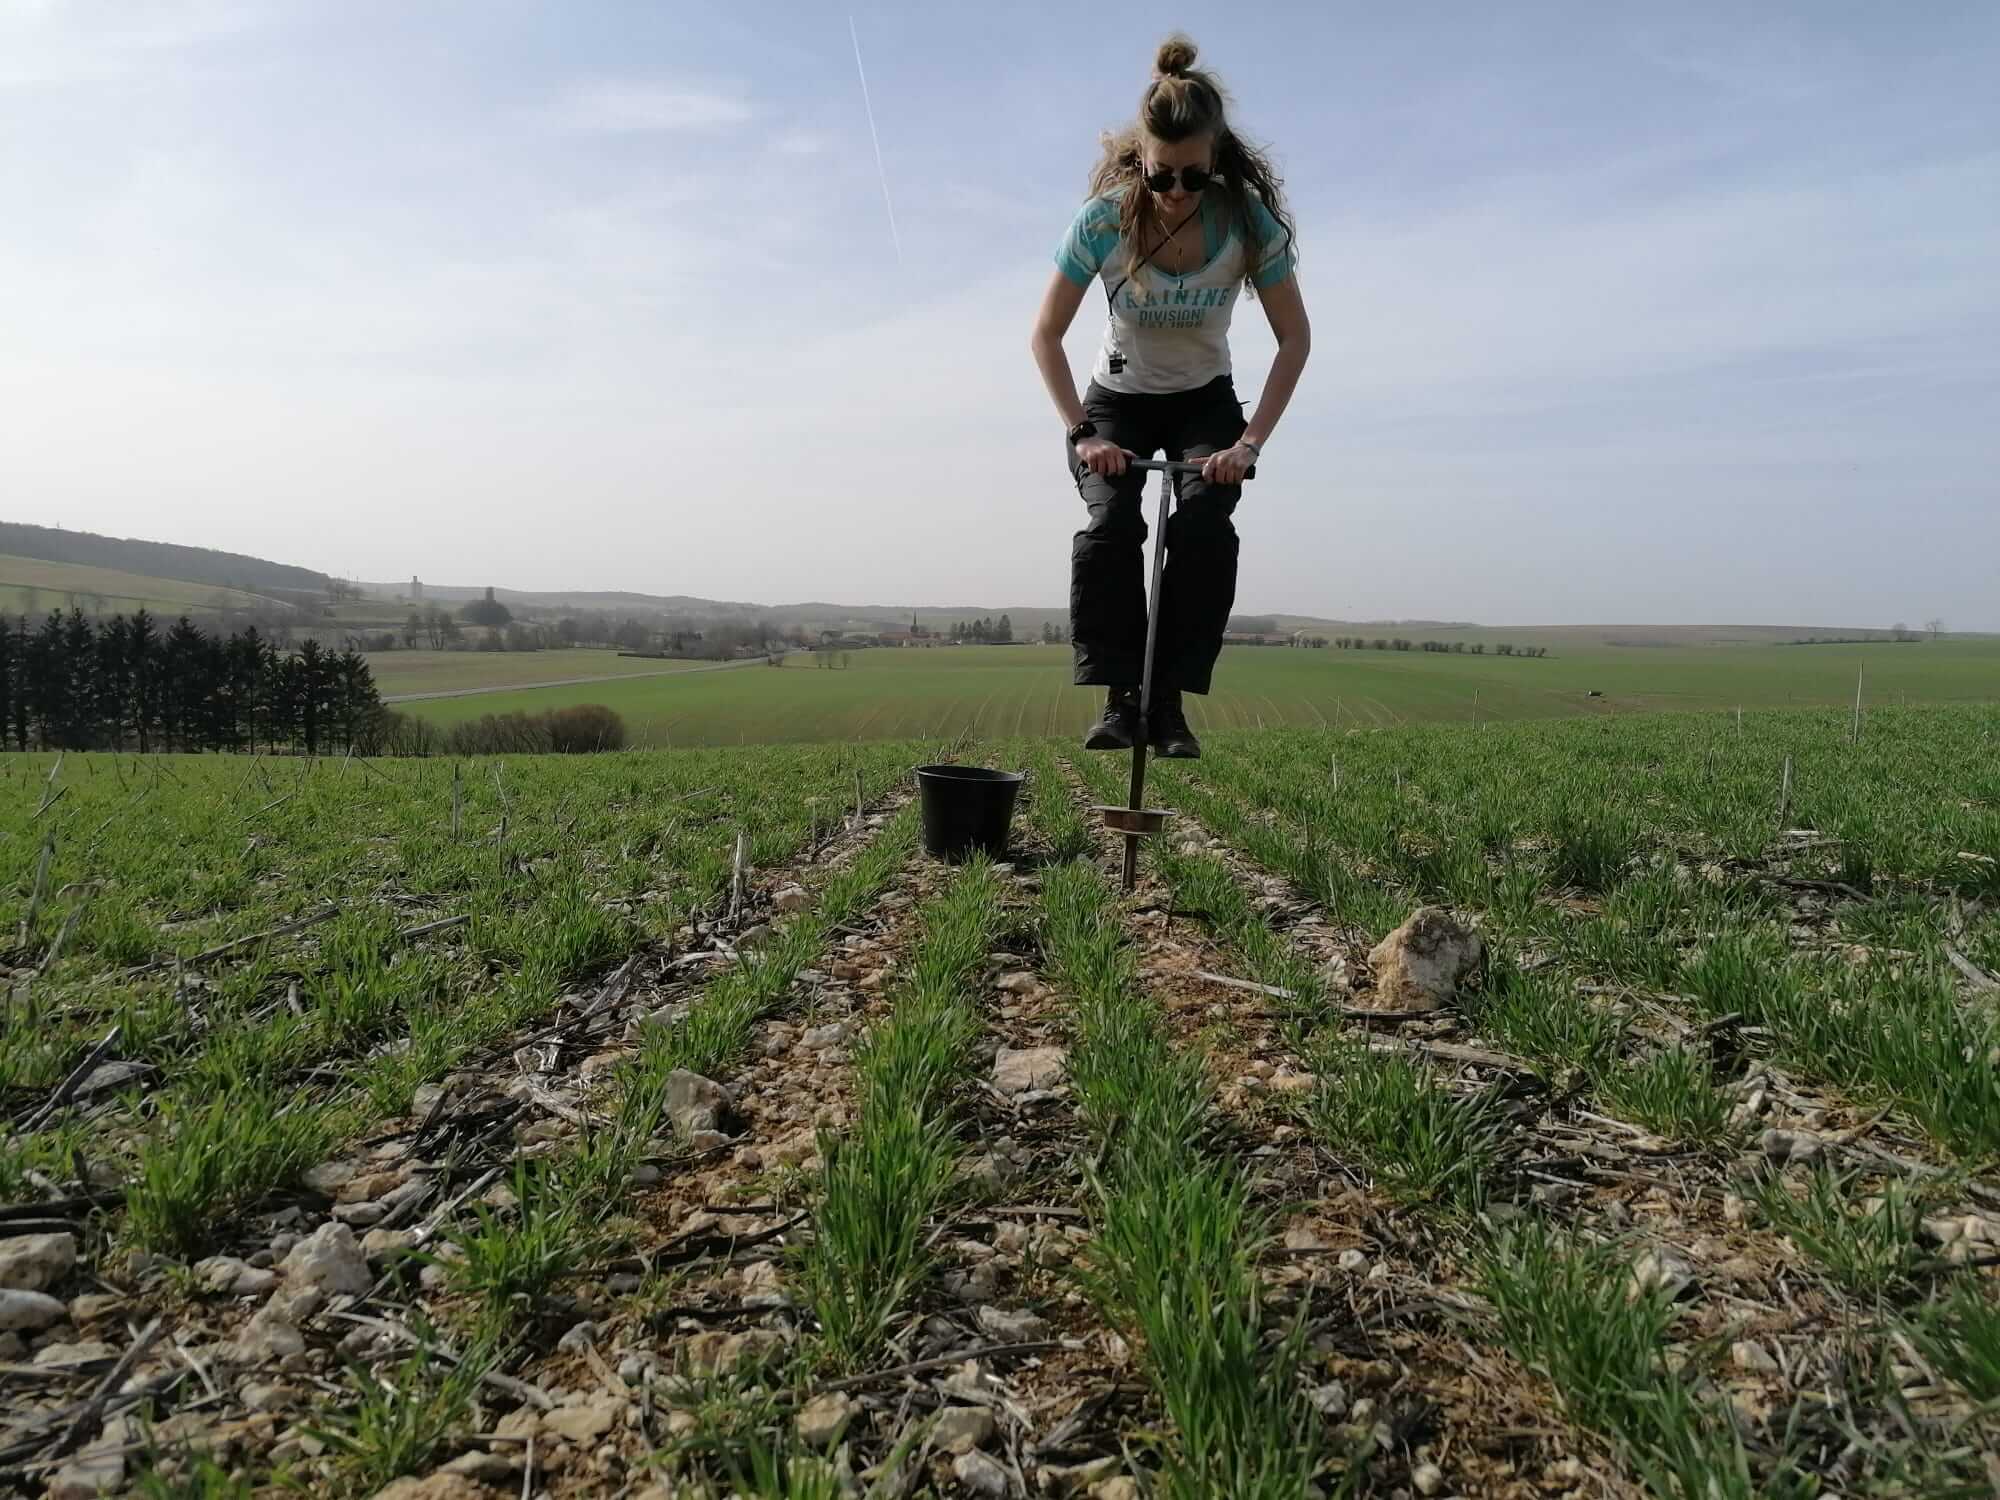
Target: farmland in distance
989,691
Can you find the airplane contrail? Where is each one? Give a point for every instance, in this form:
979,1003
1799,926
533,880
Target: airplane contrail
880,170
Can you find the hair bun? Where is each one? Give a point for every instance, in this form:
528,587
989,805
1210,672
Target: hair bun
1175,57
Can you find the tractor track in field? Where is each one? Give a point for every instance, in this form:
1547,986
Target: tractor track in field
556,682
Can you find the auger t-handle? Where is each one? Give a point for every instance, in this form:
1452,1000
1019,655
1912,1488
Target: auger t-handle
1176,466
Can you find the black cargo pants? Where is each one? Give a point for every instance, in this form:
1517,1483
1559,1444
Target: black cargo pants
1107,591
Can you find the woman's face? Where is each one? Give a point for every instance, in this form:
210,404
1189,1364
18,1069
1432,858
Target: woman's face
1165,156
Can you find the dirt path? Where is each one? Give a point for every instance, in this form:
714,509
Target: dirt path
522,687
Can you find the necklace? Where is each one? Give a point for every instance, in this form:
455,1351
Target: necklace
1111,292
1182,276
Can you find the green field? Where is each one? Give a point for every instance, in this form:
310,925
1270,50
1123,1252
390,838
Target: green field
1688,1182
34,586
398,672
989,691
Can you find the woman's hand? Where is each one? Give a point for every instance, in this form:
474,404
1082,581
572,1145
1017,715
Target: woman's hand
1229,466
1103,457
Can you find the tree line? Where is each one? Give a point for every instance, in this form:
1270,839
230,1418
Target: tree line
1398,643
988,629
123,683
488,624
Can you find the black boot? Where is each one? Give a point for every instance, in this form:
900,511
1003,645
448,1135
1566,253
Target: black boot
1118,725
1168,730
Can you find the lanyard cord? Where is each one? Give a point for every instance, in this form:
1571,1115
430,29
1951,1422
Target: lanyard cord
1111,297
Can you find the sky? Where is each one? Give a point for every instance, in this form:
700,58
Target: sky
1654,313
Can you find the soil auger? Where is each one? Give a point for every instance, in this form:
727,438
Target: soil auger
1136,820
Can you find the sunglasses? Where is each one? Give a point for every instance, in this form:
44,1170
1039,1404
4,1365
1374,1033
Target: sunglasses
1193,179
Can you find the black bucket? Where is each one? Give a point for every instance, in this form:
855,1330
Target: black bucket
967,808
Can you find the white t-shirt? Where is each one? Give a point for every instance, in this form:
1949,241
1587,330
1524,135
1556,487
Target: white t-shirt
1166,331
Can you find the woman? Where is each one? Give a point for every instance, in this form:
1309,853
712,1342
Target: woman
1182,216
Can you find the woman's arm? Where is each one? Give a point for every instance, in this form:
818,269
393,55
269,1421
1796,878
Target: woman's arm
1059,305
1286,310
1058,311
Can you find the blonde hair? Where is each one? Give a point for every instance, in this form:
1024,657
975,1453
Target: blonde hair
1182,102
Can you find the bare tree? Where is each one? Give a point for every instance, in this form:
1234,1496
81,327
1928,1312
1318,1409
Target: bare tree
1935,627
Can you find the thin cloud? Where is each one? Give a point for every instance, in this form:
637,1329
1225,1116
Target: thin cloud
801,143
44,44
627,107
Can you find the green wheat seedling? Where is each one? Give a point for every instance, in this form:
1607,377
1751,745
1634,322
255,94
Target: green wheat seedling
1867,1243
1591,849
881,1184
731,1411
876,1190
1173,1261
201,1478
205,1164
1572,1313
513,1258
1172,1266
1540,1017
395,1424
1205,884
243,949
1424,1143
1052,812
1960,1337
763,1467
1893,1032
915,1058
1652,837
1673,1094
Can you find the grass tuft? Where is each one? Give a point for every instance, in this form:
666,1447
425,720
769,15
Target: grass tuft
396,1425
876,1189
1572,1313
880,1185
1960,1337
1424,1143
513,1257
1672,1094
1867,1244
209,1162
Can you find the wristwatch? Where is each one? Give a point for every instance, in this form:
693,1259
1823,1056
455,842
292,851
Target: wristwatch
1085,428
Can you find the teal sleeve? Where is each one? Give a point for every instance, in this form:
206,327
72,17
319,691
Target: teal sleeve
1092,236
1280,256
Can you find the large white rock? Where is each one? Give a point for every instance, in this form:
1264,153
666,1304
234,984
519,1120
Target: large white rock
329,1259
36,1262
1421,964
